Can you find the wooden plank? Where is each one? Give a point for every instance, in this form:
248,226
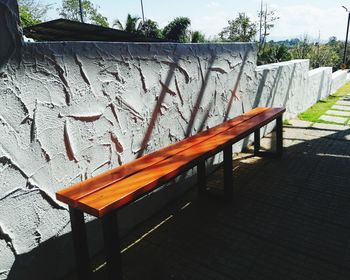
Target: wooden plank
131,188
74,193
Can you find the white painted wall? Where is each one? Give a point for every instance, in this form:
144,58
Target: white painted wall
338,79
282,84
320,82
72,110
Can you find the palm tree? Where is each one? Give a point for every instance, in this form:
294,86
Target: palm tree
149,28
132,24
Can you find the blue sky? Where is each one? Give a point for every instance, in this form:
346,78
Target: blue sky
297,17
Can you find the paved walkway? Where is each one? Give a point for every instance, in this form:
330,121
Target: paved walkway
339,113
291,219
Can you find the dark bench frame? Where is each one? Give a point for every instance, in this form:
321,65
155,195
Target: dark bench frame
110,223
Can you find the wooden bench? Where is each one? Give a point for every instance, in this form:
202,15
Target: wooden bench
103,195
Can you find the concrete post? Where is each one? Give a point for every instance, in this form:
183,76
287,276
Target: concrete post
10,31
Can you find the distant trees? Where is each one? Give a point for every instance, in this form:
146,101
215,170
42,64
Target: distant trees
302,49
274,53
151,29
267,20
197,37
241,29
70,10
132,24
323,55
178,30
327,54
31,12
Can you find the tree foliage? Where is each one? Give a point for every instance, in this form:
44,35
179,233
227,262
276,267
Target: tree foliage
132,24
274,53
70,10
302,49
178,30
241,29
267,20
151,29
319,55
197,37
32,12
323,55
27,18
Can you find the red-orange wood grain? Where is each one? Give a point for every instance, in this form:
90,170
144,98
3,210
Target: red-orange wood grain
170,164
95,184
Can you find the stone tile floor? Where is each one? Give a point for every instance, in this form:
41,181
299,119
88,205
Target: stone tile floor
290,218
340,112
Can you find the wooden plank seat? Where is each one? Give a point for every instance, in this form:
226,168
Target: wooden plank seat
103,195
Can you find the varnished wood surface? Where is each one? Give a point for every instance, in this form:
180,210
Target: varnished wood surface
78,191
168,163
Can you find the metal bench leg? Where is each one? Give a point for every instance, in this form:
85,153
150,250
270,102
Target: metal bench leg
80,244
228,173
279,136
257,142
112,246
201,177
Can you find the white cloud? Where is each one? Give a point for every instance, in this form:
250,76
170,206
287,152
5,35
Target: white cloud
213,4
211,25
297,20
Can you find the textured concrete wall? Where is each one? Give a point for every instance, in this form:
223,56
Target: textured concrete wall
281,84
320,81
338,79
348,77
72,110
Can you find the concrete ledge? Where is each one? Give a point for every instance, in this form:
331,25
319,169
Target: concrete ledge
283,85
320,81
339,78
272,66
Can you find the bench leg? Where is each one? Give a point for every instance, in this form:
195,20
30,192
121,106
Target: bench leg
279,136
257,142
112,246
201,177
228,173
80,244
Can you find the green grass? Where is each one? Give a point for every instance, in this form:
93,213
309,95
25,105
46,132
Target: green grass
314,113
286,122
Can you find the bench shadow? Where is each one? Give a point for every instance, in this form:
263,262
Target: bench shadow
287,212
296,208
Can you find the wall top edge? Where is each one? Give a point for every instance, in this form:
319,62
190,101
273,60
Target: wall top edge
320,70
339,73
139,43
139,49
280,64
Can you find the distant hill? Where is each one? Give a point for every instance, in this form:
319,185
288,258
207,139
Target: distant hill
289,42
